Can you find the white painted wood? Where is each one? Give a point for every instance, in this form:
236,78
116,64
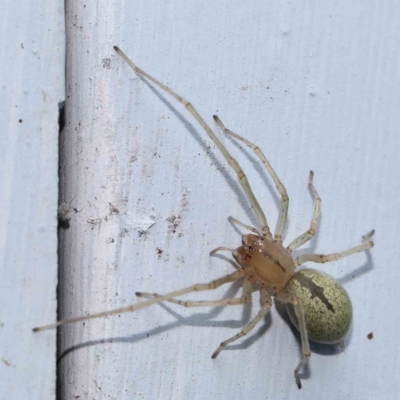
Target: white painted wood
315,85
31,87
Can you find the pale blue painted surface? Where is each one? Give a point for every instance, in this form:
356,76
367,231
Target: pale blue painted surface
32,51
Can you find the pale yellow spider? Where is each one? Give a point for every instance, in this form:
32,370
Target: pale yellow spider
317,305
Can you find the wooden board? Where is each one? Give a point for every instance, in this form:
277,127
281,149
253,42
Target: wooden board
314,85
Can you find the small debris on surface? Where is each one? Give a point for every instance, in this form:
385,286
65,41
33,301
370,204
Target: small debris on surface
106,63
64,216
123,232
173,223
370,335
159,252
113,209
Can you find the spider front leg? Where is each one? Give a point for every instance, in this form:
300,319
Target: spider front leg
267,303
248,227
279,186
305,237
245,298
230,160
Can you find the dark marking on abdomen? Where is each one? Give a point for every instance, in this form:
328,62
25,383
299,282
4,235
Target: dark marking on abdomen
315,290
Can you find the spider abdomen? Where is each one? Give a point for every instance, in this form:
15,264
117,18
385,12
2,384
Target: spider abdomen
327,306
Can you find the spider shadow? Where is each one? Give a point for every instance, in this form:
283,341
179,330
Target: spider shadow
197,320
233,184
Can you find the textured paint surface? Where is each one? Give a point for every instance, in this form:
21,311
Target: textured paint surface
32,50
314,85
327,306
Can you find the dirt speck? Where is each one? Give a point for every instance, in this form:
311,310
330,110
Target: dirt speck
370,335
142,233
123,232
106,63
181,259
185,201
64,216
174,221
113,209
159,252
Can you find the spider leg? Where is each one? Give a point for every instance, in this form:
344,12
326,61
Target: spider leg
305,237
305,345
248,227
237,222
322,258
244,299
221,248
267,303
281,189
137,306
231,161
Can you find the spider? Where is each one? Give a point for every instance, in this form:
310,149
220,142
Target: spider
318,306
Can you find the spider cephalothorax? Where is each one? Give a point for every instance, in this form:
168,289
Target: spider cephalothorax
269,261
